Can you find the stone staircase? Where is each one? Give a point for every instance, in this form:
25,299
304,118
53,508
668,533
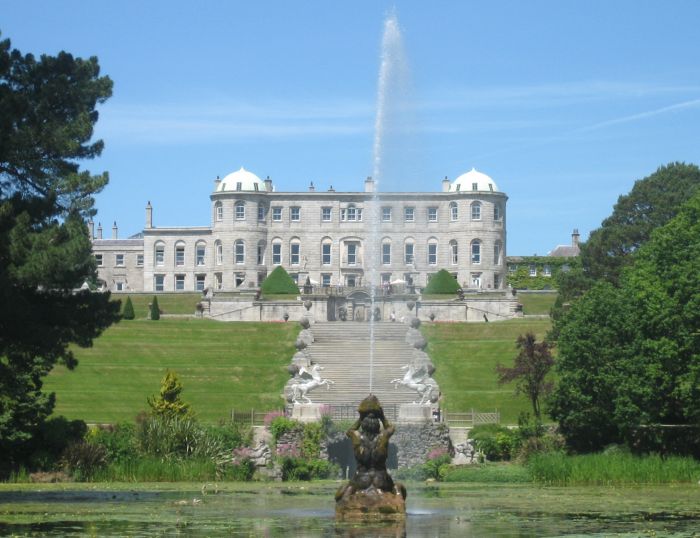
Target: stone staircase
343,350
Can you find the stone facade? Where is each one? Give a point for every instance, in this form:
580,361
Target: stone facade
330,238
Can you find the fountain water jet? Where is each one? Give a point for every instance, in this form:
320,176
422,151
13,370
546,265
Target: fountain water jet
392,72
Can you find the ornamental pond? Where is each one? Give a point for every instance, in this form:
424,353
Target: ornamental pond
307,509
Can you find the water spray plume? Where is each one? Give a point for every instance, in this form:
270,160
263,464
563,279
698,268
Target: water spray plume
391,60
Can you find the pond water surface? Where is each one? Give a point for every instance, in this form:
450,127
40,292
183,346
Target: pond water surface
146,510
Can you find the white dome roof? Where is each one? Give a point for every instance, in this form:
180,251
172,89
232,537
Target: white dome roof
466,182
248,182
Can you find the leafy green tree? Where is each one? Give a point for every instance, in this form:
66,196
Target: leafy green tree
168,403
155,309
47,115
128,312
442,282
652,202
529,371
629,356
279,282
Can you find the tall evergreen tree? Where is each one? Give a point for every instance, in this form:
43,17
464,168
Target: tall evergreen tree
155,309
128,312
47,115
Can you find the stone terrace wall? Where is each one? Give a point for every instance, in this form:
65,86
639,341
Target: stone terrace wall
415,441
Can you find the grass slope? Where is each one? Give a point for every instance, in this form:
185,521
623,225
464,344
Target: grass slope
465,357
222,366
169,303
536,303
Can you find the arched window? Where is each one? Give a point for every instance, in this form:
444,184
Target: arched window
454,252
200,253
239,252
180,253
219,253
476,210
497,248
219,211
476,251
261,253
277,251
326,246
294,252
454,211
240,210
409,252
432,251
497,212
159,254
386,251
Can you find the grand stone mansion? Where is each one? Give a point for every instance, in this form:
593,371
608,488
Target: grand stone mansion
322,238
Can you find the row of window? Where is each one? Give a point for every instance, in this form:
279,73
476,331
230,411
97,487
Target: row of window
159,282
350,257
349,280
119,260
532,270
352,213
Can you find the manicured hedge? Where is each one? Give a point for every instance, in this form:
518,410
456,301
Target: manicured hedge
279,282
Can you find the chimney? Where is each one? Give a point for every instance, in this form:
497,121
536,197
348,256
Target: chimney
369,184
114,230
99,230
312,188
268,184
446,185
331,189
149,215
574,238
91,229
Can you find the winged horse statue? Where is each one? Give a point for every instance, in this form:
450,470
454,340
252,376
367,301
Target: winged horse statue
415,380
308,381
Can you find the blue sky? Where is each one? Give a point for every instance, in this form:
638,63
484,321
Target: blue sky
563,104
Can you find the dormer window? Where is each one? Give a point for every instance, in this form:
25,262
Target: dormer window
255,187
459,186
475,186
239,186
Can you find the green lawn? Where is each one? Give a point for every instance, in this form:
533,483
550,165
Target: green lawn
169,303
536,303
465,357
222,366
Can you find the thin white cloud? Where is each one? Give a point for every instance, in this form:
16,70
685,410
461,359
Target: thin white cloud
693,103
549,94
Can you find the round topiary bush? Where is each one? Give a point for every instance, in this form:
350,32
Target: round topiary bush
442,283
279,282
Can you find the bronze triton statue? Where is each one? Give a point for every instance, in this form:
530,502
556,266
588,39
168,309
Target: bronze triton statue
371,493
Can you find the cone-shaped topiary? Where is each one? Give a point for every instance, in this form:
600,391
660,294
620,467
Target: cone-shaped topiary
128,312
155,310
442,282
279,282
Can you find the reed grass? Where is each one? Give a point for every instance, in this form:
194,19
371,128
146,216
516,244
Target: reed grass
156,470
557,469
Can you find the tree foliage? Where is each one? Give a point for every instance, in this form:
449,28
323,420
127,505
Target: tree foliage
47,115
279,282
442,282
652,202
529,370
155,309
168,403
128,312
629,356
